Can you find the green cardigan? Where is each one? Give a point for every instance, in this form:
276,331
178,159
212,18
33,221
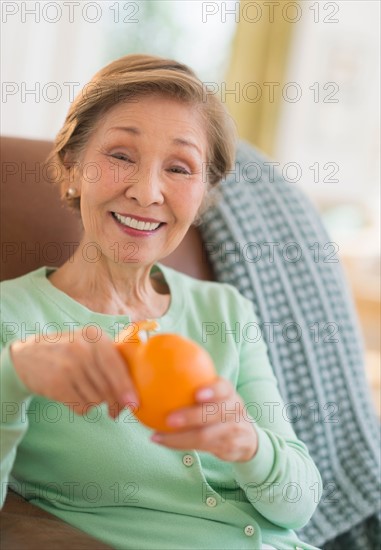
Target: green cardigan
107,478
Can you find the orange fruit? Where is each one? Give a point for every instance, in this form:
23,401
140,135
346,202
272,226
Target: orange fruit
167,370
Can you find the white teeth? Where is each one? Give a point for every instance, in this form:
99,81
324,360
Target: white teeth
135,224
131,222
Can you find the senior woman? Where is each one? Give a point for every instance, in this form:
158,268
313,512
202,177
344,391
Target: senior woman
141,149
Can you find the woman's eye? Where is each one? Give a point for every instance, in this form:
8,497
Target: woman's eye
120,156
180,170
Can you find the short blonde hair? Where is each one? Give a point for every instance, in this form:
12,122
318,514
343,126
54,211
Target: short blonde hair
134,76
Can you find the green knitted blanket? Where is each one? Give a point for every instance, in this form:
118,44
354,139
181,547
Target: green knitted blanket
265,238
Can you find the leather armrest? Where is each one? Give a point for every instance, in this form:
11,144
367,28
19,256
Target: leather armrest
27,527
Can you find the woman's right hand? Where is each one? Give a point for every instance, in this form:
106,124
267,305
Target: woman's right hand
77,370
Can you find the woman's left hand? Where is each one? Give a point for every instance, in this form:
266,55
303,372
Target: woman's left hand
218,424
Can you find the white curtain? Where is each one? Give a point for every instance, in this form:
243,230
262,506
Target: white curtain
41,54
333,130
67,42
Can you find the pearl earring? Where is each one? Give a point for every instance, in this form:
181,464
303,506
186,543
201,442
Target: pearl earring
71,192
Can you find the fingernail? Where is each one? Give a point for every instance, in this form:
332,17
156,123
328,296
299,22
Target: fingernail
176,420
156,438
130,398
205,393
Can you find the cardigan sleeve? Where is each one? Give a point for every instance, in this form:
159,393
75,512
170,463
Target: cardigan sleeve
281,481
15,399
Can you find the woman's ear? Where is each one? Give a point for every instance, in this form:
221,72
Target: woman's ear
71,180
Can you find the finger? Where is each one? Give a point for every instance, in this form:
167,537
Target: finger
115,408
72,398
219,390
84,374
105,382
211,409
118,375
196,438
210,412
104,374
83,384
94,370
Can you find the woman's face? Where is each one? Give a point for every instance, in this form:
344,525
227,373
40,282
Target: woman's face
141,178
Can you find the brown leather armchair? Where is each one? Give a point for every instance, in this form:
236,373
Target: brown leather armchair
36,230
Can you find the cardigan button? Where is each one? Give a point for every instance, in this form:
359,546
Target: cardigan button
211,501
188,460
249,530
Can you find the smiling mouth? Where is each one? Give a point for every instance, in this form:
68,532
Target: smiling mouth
139,225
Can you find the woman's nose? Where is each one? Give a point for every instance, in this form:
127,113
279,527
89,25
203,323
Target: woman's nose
145,187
